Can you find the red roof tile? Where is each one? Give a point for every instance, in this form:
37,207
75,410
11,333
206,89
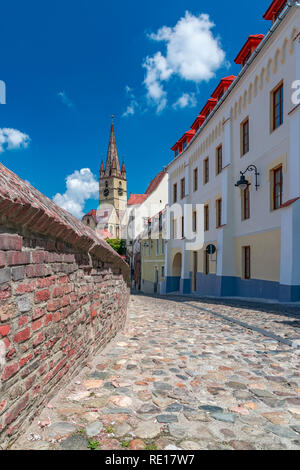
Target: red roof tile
155,182
136,199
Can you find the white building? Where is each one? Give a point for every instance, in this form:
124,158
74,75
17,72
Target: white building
252,119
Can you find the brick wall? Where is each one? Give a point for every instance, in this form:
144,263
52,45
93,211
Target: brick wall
63,296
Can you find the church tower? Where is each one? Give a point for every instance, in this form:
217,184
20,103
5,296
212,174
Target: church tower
113,186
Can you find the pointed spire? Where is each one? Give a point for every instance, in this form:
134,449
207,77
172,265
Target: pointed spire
102,170
123,170
112,167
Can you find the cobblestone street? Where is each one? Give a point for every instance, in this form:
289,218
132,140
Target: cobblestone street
182,377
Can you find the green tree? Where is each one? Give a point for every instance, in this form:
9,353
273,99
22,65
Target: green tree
118,245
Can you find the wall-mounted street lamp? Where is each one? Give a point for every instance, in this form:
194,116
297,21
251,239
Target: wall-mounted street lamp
243,183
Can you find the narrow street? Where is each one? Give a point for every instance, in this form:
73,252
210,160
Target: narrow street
182,377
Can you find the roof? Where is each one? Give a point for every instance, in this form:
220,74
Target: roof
92,213
155,182
224,83
136,199
104,234
250,45
274,9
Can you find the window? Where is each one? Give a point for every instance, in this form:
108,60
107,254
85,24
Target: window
157,247
206,171
195,221
162,271
176,152
247,262
219,157
246,204
88,221
182,227
184,144
160,222
246,58
196,179
174,231
206,263
182,188
219,212
206,218
174,193
245,137
277,188
277,105
163,246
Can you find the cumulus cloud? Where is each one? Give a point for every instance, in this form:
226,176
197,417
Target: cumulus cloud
185,100
133,104
65,99
13,139
192,53
81,186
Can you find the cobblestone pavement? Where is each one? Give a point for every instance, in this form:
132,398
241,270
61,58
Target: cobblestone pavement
182,378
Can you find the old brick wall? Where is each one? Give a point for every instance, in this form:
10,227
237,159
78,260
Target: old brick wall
63,296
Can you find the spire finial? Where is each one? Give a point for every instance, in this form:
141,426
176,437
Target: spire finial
112,119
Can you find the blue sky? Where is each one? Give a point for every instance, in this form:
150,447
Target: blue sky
68,65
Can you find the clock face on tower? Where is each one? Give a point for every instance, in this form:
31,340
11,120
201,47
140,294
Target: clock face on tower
120,191
106,192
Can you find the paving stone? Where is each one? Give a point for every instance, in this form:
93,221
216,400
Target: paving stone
148,408
282,432
147,430
211,408
61,429
241,445
167,419
93,429
224,417
76,442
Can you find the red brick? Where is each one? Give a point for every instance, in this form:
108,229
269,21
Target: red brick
5,292
14,258
16,411
56,317
57,292
2,259
41,296
36,325
24,360
48,319
54,305
23,321
22,336
9,371
26,287
63,280
49,281
38,313
38,340
38,257
2,405
30,382
10,242
36,270
10,354
4,330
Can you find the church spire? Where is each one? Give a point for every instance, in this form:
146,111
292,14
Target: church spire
112,167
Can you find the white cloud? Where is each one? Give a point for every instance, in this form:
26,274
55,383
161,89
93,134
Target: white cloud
12,139
81,186
185,100
133,105
192,53
65,99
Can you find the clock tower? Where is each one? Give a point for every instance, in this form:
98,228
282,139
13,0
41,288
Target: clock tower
113,187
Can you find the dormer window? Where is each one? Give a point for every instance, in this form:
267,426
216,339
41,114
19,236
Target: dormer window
248,48
177,152
184,144
274,10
